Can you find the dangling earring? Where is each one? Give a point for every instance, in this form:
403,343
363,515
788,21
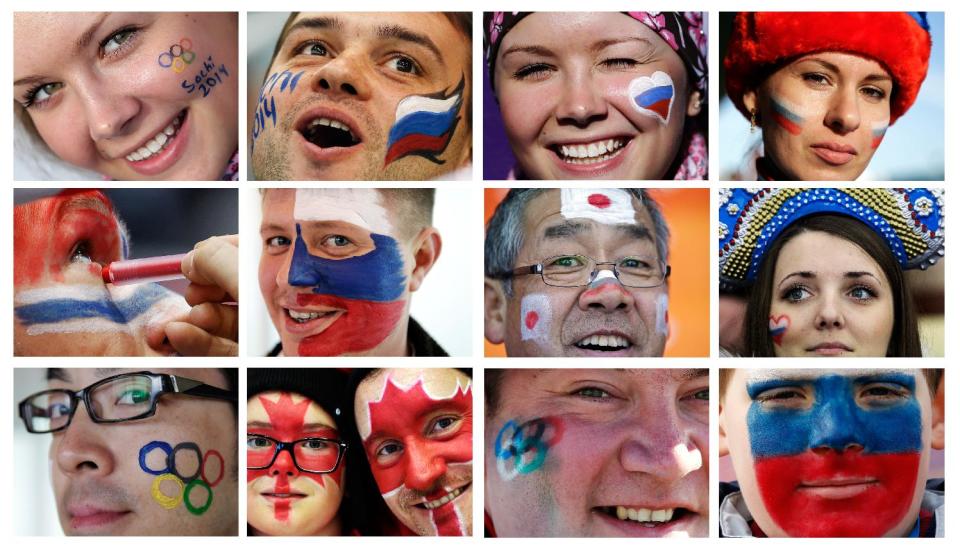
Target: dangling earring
753,120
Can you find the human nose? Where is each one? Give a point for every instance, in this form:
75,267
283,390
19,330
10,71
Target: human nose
345,76
300,268
829,315
424,466
82,448
109,109
834,427
657,444
606,293
843,112
283,465
580,103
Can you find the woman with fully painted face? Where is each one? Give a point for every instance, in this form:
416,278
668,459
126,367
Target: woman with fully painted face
296,457
149,96
823,268
824,87
601,95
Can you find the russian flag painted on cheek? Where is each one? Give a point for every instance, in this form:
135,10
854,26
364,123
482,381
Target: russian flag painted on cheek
424,125
875,443
368,287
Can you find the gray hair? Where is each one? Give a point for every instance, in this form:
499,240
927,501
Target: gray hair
505,231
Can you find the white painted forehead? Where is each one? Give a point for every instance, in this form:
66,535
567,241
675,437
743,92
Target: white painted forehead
613,206
359,206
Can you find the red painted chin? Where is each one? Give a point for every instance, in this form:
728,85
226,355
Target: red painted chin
838,495
362,326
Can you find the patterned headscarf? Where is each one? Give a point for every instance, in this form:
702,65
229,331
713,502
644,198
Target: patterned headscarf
681,30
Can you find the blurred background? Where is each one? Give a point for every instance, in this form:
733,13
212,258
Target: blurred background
687,211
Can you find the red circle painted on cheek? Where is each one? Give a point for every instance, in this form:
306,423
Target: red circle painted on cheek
599,200
531,319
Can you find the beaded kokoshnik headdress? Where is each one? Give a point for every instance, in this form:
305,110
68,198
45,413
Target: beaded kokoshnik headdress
910,220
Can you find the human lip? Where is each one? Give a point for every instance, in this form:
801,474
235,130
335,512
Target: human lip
162,149
592,156
652,521
85,516
837,487
830,349
603,343
835,154
442,497
327,134
309,321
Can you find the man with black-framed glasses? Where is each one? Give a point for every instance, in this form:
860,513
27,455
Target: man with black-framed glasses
577,272
140,452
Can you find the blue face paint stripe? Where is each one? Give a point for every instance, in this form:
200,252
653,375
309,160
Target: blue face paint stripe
375,276
786,113
835,419
433,124
61,310
655,95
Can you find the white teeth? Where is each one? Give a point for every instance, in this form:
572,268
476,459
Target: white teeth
157,143
614,341
645,514
332,123
591,153
304,316
430,505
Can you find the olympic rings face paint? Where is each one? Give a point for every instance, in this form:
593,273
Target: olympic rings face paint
186,497
178,57
163,500
185,483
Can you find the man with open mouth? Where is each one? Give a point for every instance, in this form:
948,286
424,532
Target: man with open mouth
416,431
364,96
832,453
577,272
596,452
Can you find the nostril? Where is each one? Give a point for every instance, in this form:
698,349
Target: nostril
324,84
348,89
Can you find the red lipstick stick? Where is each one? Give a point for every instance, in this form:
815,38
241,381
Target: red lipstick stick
149,269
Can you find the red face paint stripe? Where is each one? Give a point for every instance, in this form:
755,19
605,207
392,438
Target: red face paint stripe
363,326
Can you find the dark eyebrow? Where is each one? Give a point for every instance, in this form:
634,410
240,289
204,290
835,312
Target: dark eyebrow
401,33
532,50
834,68
315,23
852,275
105,371
306,427
639,232
601,44
564,230
84,40
57,374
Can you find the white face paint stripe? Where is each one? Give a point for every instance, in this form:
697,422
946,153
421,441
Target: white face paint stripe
358,206
535,317
603,275
662,308
612,206
653,95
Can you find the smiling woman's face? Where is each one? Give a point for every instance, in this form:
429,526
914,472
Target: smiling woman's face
590,96
823,115
134,95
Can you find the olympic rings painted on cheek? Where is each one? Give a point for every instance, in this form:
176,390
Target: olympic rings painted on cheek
186,497
203,467
172,461
179,56
146,449
167,502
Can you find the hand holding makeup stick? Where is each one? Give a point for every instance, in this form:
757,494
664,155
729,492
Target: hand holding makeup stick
211,328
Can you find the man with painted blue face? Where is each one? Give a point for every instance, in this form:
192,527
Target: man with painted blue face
136,452
338,268
832,453
364,96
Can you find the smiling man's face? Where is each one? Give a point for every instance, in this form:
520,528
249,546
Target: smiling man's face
417,431
364,96
598,453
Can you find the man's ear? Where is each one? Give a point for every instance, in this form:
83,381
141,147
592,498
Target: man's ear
724,449
937,419
694,103
494,310
426,250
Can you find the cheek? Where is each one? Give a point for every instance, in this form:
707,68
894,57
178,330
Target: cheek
277,94
650,98
536,318
270,266
525,111
67,132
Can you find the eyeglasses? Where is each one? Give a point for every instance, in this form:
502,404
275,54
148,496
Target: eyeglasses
580,270
314,455
121,398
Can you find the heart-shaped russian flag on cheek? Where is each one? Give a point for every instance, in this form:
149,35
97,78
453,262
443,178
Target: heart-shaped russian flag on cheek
652,95
778,326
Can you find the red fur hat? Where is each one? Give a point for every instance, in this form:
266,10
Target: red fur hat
762,40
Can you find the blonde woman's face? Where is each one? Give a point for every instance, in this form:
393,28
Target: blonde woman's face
131,95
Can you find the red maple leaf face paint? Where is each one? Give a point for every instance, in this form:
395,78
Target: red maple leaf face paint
283,498
417,430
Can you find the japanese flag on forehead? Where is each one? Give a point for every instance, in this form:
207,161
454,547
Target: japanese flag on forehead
613,206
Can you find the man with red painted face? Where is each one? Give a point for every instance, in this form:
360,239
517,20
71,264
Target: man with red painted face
416,430
832,453
296,457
